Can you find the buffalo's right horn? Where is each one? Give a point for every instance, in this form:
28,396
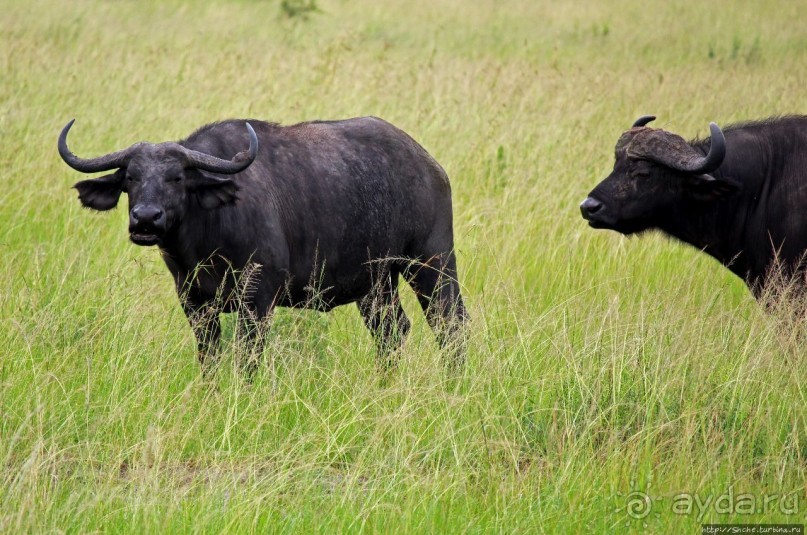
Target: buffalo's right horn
93,165
240,161
643,120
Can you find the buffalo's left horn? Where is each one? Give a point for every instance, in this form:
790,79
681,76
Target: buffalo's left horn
643,120
671,150
240,161
706,164
92,165
717,151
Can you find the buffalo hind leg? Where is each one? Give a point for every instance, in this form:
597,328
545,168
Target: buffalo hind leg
438,291
385,318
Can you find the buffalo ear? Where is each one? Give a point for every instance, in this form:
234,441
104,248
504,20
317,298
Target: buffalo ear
709,188
101,193
211,191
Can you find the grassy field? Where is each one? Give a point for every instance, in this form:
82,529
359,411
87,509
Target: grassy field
600,370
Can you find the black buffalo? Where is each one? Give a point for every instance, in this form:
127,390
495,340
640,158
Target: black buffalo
314,215
740,196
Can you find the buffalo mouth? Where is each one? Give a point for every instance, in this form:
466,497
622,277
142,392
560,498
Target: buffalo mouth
593,223
599,220
144,238
624,227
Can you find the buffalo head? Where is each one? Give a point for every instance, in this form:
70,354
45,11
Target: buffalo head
160,179
654,171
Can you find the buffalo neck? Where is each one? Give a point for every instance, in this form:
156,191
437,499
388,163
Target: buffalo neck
720,227
197,237
714,227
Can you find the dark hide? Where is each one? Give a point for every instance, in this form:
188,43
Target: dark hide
328,213
749,213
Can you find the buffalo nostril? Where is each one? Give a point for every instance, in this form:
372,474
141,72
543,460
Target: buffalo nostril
147,214
590,206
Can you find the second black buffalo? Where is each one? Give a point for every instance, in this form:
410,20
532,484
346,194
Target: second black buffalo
250,215
740,195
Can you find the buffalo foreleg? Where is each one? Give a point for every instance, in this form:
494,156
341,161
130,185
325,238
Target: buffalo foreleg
204,320
253,328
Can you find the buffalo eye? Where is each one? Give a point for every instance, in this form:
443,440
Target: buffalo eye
174,178
641,169
133,178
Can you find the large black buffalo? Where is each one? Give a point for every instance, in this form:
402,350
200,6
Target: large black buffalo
740,196
315,215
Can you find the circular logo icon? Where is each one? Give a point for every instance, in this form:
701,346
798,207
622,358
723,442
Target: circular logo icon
638,504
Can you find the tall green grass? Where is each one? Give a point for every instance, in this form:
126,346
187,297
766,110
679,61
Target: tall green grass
597,366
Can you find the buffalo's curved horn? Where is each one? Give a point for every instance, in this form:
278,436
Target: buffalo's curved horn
672,151
643,120
692,162
92,165
240,161
717,151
